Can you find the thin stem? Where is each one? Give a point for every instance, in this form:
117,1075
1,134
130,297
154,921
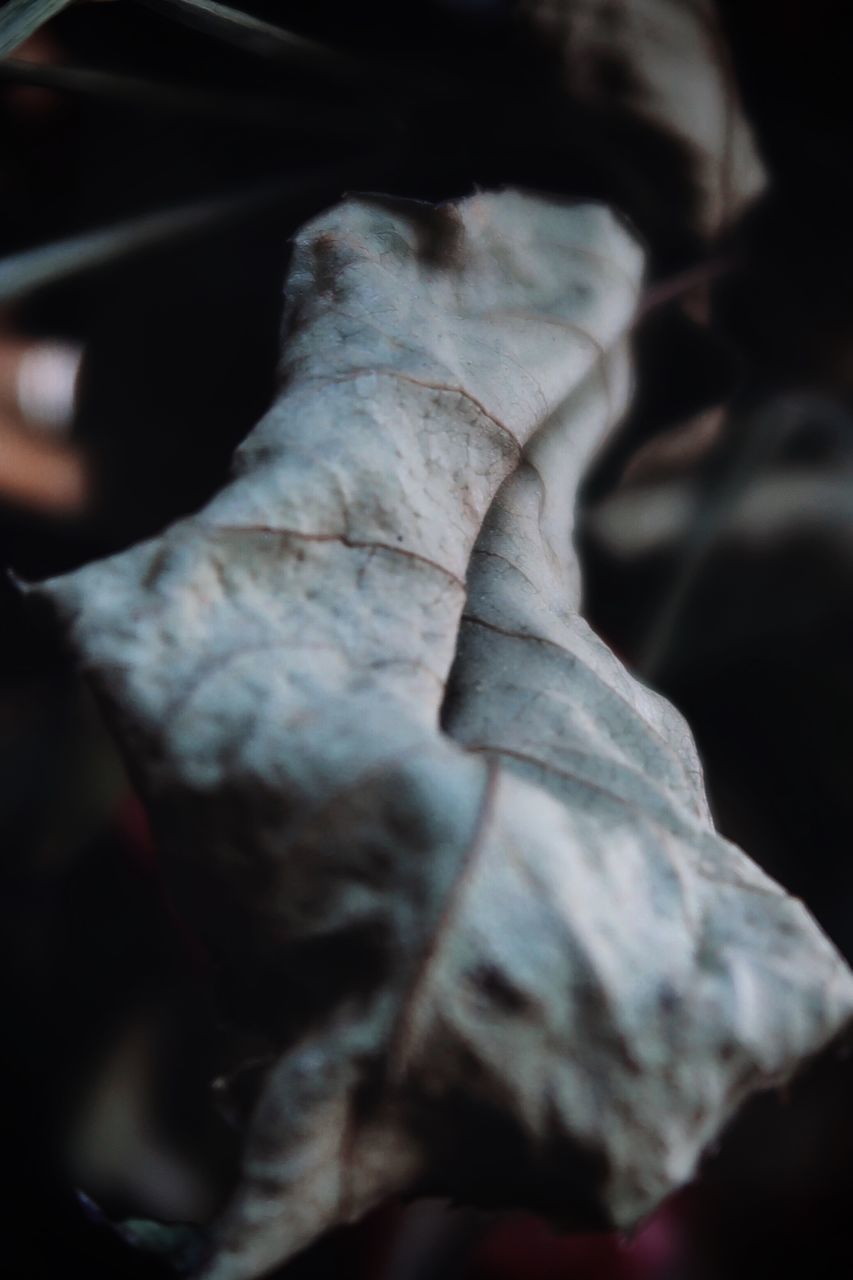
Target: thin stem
23,273
274,112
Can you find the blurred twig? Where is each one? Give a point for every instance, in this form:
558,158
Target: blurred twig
20,18
42,474
275,113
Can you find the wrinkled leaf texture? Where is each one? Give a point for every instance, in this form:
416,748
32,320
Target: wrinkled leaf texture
489,933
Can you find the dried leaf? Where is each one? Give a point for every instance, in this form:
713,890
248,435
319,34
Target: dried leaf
666,62
515,968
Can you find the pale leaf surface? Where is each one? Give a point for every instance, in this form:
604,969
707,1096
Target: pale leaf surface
518,967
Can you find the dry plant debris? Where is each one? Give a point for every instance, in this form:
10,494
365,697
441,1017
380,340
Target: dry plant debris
495,947
667,63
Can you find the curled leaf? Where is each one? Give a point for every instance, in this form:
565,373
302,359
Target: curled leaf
666,63
502,955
